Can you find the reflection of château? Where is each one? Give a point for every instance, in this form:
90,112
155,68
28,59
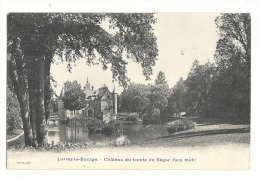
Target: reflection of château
100,104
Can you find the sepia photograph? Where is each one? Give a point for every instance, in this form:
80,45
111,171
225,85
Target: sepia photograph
128,90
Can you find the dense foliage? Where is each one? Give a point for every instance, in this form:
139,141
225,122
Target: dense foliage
95,125
180,125
177,98
150,101
160,79
98,126
230,93
74,97
13,112
198,85
134,98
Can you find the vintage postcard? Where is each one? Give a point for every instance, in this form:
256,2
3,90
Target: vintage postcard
132,90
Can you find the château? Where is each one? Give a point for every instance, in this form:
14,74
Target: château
100,104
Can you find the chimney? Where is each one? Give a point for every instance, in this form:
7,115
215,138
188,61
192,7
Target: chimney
92,87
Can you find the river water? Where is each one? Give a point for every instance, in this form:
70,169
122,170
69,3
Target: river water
134,132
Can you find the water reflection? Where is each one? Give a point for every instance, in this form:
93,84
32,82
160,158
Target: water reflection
134,132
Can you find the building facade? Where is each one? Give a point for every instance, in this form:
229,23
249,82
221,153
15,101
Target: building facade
100,103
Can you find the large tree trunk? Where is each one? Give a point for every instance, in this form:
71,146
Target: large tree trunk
47,87
32,96
40,114
22,96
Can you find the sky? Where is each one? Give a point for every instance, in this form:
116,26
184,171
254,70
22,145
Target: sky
181,39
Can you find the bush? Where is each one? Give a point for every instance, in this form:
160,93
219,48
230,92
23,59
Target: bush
152,117
112,126
97,125
180,125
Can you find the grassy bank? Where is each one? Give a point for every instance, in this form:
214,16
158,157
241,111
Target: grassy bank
205,136
215,121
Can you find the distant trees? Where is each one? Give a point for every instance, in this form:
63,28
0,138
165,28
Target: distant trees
159,101
74,97
135,98
177,98
158,95
160,79
198,85
149,101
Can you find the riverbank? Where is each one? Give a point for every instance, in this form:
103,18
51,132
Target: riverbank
208,132
204,135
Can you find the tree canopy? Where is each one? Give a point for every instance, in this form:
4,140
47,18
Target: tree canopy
198,84
135,98
235,37
74,35
74,97
160,79
177,98
231,87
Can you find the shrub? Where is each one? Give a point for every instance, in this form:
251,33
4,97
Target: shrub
180,125
112,126
97,125
152,117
